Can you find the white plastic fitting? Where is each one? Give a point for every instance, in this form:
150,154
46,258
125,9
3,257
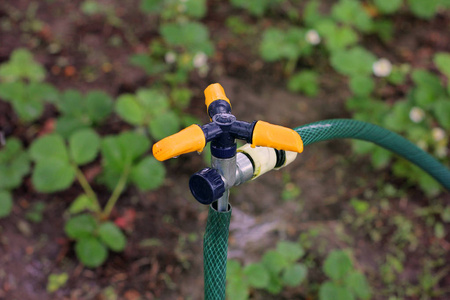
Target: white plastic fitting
264,159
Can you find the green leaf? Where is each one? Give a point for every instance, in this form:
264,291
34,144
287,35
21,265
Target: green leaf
52,175
133,144
28,106
336,37
429,88
56,281
82,203
357,283
293,275
112,236
164,125
153,102
6,203
49,146
289,44
152,6
275,284
193,36
71,103
21,65
99,105
290,251
337,264
274,261
195,8
442,112
359,206
351,12
332,291
80,226
424,9
120,151
442,62
306,82
388,6
14,164
148,174
91,252
35,212
381,157
362,86
67,125
354,62
129,109
398,118
149,64
439,230
237,290
257,275
84,146
234,270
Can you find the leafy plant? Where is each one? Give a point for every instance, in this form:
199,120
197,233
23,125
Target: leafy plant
256,7
21,84
344,282
306,82
149,108
82,111
287,45
94,239
277,268
171,9
58,165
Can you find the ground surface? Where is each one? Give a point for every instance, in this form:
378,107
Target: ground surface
163,258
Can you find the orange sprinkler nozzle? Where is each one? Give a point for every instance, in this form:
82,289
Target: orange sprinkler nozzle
187,140
215,92
275,136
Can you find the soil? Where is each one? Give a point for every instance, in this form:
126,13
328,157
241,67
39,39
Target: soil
163,257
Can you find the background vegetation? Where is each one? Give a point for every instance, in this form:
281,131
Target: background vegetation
86,87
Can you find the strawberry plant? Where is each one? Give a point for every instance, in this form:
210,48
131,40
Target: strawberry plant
21,84
277,268
57,165
82,111
344,281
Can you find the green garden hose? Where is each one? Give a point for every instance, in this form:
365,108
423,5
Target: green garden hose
216,237
215,248
345,128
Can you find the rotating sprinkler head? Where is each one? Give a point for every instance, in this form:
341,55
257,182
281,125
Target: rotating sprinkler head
277,146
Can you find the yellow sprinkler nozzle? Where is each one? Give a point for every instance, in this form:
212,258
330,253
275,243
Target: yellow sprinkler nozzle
275,136
215,92
187,140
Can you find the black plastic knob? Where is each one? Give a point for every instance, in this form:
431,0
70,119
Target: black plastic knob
207,185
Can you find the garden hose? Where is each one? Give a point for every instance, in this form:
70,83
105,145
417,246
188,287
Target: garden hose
215,248
345,128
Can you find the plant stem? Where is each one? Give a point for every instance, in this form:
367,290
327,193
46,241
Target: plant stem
87,188
116,193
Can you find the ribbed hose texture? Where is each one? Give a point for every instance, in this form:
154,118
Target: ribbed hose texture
215,247
345,128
